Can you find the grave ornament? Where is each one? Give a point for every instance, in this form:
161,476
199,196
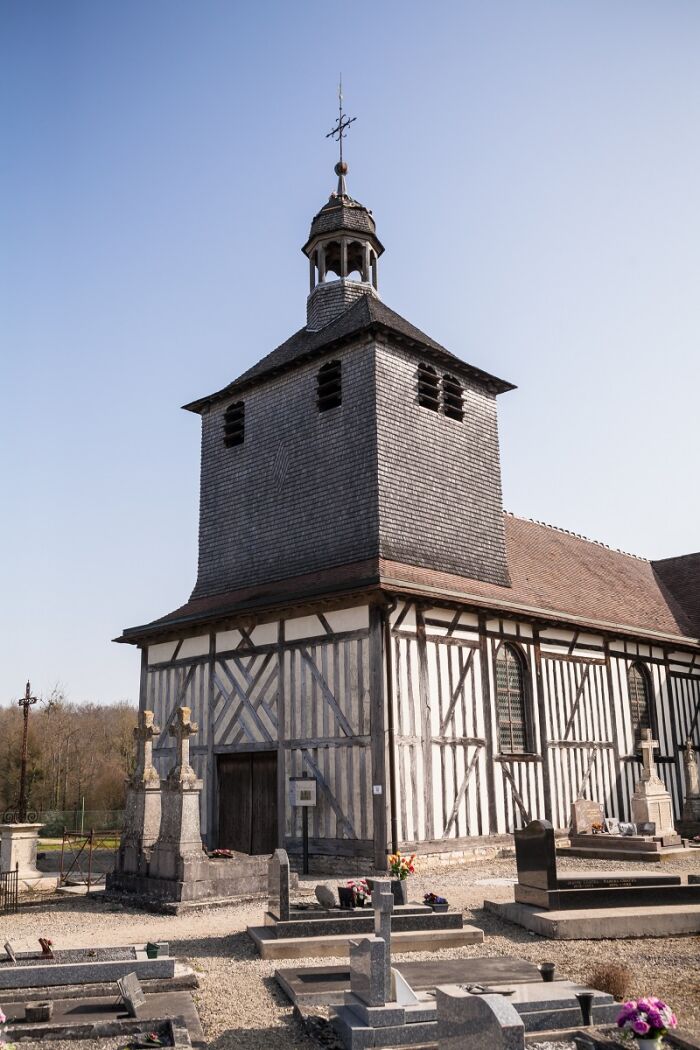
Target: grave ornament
182,728
651,801
132,993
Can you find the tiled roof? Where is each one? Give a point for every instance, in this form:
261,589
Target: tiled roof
556,575
366,314
342,213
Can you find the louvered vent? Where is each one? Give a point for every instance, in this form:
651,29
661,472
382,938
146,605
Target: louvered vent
234,424
329,390
452,398
428,388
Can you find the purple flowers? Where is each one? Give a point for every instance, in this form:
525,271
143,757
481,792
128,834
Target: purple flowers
647,1018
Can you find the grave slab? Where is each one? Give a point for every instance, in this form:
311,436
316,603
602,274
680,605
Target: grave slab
271,947
84,965
318,985
470,1022
597,924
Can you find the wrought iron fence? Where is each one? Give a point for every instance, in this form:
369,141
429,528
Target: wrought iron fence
86,858
9,891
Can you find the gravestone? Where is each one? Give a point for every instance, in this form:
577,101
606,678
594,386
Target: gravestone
535,857
383,904
325,896
368,971
472,1022
10,952
178,852
143,801
132,993
278,885
691,802
651,801
585,813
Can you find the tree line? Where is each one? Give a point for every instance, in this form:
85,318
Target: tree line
78,754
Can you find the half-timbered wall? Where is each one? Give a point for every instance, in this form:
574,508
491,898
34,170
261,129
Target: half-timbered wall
313,689
452,779
300,687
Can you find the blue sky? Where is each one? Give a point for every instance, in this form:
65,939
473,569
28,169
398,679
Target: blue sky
533,169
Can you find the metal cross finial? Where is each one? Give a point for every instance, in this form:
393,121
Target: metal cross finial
340,130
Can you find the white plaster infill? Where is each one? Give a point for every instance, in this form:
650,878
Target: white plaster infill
18,850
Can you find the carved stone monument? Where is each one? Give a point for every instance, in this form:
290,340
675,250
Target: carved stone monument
178,853
18,850
690,824
143,805
651,801
584,814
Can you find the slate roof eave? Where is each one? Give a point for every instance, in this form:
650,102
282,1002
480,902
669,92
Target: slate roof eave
372,316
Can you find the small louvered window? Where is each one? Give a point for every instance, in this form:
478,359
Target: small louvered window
330,390
234,424
428,387
452,398
640,707
510,702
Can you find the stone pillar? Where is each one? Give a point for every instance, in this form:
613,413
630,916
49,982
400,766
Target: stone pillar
18,850
651,801
178,853
143,802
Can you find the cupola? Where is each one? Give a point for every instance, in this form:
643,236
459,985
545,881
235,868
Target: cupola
342,249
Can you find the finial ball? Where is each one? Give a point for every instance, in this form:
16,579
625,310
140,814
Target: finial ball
341,168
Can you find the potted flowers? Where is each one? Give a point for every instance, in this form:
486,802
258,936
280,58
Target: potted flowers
360,891
3,1044
401,867
435,902
647,1020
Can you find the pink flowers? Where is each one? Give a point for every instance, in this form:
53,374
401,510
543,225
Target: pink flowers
647,1018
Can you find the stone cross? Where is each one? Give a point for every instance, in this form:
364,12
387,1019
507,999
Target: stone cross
182,729
647,748
383,904
692,782
145,772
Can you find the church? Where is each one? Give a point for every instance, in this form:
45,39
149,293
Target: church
367,616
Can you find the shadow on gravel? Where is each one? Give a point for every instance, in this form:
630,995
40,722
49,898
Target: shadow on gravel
281,1037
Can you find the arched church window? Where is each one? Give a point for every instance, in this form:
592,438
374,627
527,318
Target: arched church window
452,403
329,392
510,701
639,689
428,387
234,424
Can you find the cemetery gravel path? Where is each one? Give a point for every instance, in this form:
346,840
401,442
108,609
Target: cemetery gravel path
241,1006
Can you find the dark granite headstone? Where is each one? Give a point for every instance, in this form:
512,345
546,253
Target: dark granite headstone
535,856
368,971
278,885
132,993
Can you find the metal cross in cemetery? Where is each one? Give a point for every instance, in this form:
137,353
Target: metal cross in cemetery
145,771
25,703
182,729
340,130
647,748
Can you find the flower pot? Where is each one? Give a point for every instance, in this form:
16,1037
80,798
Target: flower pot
547,971
152,950
650,1044
400,891
440,907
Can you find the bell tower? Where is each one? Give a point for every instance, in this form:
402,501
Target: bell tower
342,249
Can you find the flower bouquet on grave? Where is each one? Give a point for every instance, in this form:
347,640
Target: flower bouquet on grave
646,1021
221,854
597,828
435,902
401,867
360,891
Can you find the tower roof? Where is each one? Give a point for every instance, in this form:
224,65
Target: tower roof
342,213
367,315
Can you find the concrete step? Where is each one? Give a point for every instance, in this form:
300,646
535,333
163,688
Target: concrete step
596,924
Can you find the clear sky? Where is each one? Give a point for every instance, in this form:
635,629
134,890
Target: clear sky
533,168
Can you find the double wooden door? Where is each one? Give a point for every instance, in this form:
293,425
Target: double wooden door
248,802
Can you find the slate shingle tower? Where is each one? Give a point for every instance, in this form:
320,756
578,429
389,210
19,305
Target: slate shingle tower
358,438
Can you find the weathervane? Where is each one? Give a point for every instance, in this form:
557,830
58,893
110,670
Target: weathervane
340,130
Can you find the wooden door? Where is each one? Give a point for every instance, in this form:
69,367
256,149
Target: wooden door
248,802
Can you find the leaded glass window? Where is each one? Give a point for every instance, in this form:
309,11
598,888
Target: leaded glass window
510,701
640,707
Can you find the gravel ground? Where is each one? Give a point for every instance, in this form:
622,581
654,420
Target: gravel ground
241,1006
116,1043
